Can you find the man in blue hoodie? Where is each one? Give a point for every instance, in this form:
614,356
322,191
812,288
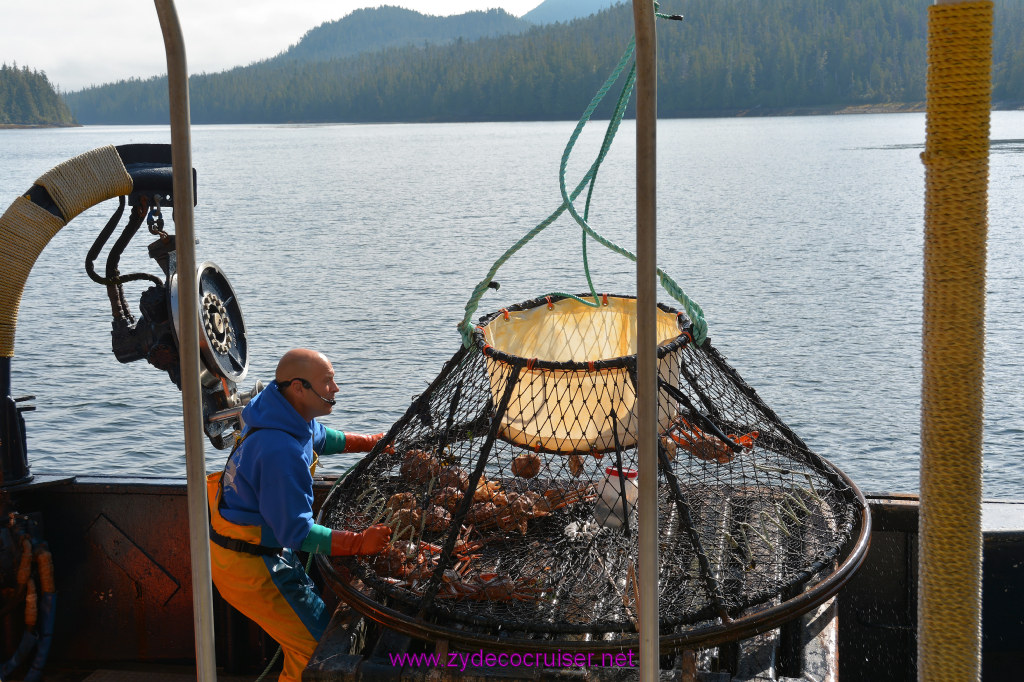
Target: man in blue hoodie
261,507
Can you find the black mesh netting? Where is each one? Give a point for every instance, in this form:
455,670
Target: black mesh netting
494,478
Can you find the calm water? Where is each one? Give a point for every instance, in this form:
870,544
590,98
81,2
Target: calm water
801,238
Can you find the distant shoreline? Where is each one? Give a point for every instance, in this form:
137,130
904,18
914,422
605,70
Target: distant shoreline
20,126
842,110
833,110
755,112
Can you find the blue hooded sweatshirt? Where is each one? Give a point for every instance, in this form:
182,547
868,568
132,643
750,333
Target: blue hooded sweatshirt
267,481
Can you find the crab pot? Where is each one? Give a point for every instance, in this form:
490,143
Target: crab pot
576,393
495,483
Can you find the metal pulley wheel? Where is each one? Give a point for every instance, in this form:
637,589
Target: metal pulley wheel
222,342
215,323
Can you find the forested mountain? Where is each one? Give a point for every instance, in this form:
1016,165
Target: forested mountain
550,11
726,56
27,98
366,30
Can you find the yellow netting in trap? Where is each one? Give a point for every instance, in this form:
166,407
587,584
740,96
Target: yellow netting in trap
586,405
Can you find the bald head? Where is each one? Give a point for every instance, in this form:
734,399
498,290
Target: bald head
300,362
306,378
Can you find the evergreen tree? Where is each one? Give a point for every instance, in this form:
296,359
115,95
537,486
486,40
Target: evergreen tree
725,56
28,98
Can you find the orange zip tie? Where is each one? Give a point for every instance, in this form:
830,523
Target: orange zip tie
25,563
487,349
45,561
590,365
551,306
530,363
604,299
31,606
504,311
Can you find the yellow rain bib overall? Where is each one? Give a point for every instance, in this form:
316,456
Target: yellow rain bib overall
267,584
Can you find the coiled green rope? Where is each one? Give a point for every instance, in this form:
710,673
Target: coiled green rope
693,310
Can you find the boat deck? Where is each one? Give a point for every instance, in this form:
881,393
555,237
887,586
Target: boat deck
141,673
120,551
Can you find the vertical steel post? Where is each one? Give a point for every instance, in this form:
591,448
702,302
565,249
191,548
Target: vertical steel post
5,377
647,341
188,340
953,339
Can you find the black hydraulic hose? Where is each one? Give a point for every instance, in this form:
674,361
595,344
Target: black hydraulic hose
114,279
101,241
138,215
134,223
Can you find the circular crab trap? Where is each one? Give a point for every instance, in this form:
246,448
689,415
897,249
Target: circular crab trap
509,484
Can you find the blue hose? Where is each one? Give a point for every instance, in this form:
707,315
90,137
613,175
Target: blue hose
47,618
28,640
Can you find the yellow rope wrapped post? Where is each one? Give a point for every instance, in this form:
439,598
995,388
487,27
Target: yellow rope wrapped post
956,180
26,228
86,180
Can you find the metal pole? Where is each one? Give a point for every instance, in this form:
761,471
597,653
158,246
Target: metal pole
188,340
647,340
953,340
5,377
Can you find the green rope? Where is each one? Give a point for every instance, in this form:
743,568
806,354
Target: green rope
693,310
277,655
609,135
620,108
466,327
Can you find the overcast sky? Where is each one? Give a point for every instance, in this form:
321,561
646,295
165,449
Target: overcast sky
88,42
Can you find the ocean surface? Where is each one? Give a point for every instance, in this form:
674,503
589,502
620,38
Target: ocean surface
800,237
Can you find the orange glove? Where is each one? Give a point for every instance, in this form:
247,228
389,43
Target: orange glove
357,442
370,541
